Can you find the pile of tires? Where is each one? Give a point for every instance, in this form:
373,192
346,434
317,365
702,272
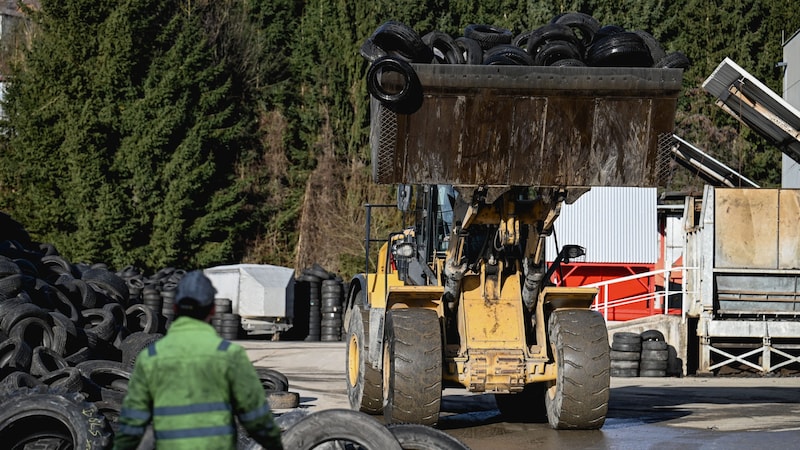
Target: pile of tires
626,348
227,324
655,354
321,323
572,39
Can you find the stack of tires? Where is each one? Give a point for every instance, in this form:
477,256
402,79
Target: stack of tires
227,324
626,350
314,276
331,325
655,354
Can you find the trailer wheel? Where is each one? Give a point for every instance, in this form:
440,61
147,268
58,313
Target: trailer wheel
412,366
364,383
578,398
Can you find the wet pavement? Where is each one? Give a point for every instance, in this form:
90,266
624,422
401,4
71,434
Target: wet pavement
644,413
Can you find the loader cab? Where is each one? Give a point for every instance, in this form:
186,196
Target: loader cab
434,220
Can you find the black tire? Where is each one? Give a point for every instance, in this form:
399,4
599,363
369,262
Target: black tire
142,319
583,25
655,355
578,398
134,344
44,360
108,282
446,46
654,345
471,49
15,355
412,366
551,32
675,60
626,337
518,55
31,415
652,364
395,38
653,373
364,383
34,331
624,356
624,49
624,373
657,52
338,424
68,379
19,311
405,101
100,322
652,335
488,35
626,347
282,399
272,381
624,364
413,436
554,51
16,380
499,60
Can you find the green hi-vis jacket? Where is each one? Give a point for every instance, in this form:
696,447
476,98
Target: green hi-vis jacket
190,384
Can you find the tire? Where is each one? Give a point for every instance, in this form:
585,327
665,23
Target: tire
412,366
626,347
488,35
654,346
405,101
100,322
652,335
399,39
655,355
583,25
31,415
14,355
364,383
652,364
338,424
578,398
108,282
16,380
653,373
657,52
675,60
625,337
554,51
272,380
45,360
420,437
518,55
67,379
624,364
282,399
446,46
624,356
134,344
548,33
34,331
141,318
624,373
624,49
471,49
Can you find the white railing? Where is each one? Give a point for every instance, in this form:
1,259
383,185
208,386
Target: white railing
603,304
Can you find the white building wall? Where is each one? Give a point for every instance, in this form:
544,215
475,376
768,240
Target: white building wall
614,225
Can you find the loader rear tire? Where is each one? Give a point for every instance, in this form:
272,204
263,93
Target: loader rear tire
578,398
412,366
364,383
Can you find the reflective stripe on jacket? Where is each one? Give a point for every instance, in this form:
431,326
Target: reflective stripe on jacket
190,385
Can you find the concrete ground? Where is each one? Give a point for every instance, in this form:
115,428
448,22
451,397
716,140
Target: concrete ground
675,413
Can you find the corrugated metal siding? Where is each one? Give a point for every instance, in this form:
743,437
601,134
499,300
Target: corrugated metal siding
615,225
791,93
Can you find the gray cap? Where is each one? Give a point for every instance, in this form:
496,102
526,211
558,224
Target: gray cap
195,285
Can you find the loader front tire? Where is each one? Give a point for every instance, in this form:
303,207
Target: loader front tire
412,366
578,398
364,383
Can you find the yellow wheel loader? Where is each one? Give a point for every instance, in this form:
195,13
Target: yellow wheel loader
462,296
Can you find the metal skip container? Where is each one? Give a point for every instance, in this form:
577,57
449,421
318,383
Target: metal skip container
262,294
526,126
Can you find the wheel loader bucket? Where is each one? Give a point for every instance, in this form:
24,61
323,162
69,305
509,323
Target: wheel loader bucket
526,126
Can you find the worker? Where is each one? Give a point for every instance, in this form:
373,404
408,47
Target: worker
191,384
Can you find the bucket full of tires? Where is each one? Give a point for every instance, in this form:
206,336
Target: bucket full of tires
645,354
573,39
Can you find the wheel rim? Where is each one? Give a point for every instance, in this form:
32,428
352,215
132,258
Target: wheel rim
353,360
